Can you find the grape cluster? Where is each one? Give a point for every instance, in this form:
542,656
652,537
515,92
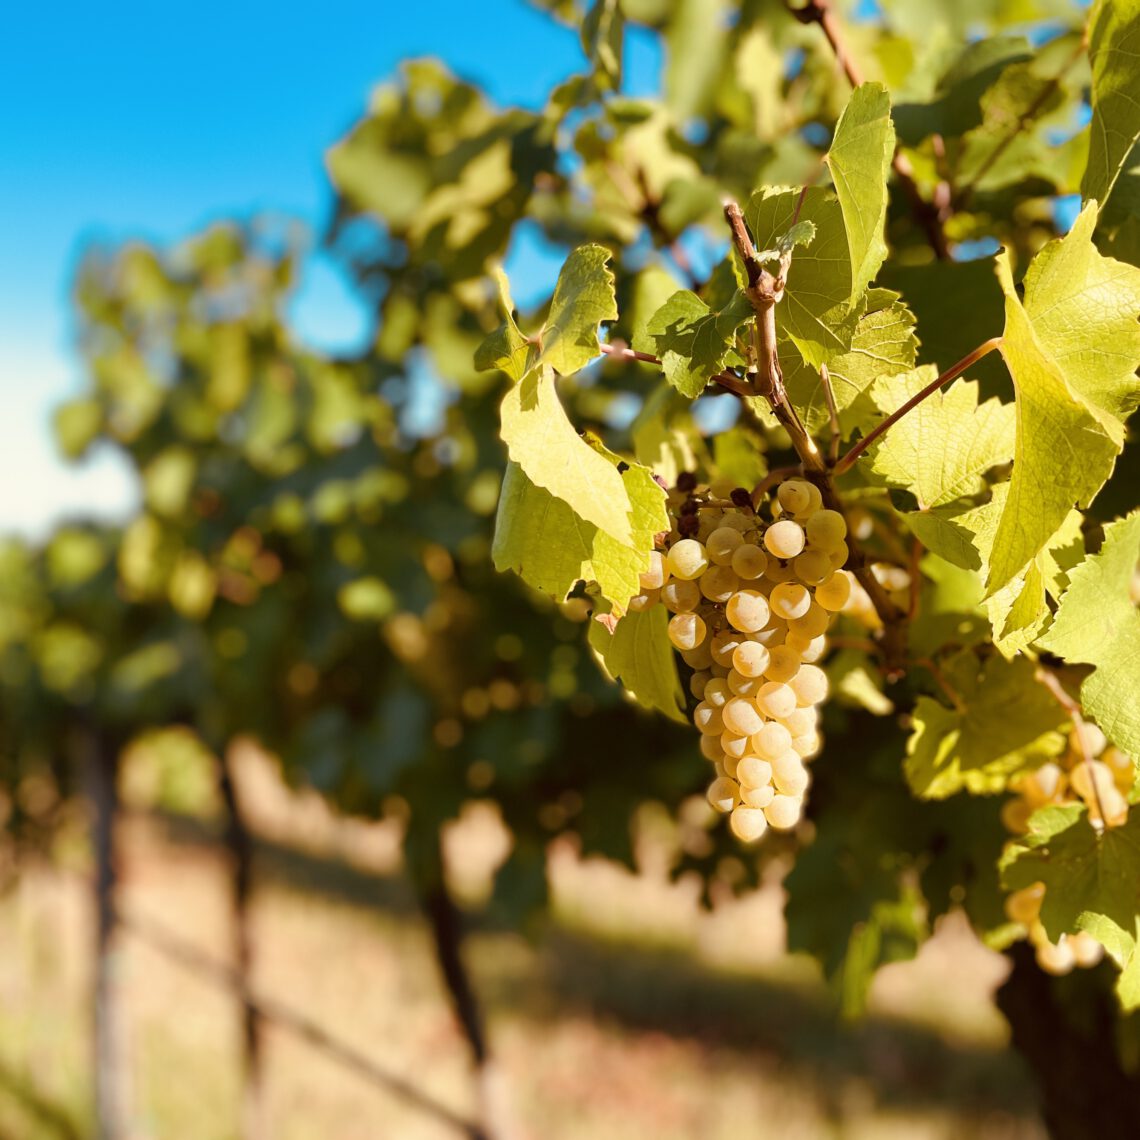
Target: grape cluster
1103,786
751,600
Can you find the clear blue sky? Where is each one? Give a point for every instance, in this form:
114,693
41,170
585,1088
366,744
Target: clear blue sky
137,119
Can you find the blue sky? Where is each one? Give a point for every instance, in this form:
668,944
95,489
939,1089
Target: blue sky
136,119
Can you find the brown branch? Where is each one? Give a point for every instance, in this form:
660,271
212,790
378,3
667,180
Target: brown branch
930,216
763,292
967,361
1051,682
225,978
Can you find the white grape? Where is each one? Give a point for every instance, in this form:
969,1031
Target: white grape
754,772
773,634
750,658
826,529
809,685
757,797
742,716
812,624
783,664
708,719
747,610
711,749
775,700
743,685
778,572
687,559
748,824
794,496
749,561
789,774
698,683
734,745
783,813
839,556
722,794
784,539
833,592
680,597
813,566
789,600
1024,906
646,600
810,649
718,583
716,692
806,746
1056,959
698,658
687,631
655,577
773,740
723,645
799,722
722,544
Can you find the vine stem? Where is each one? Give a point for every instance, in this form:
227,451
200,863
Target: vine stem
1052,682
967,361
929,215
621,351
763,292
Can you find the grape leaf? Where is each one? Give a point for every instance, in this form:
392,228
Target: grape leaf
1006,722
860,159
1084,311
1068,427
1092,882
816,302
583,297
552,548
1097,624
940,450
639,655
693,341
883,344
541,439
506,348
1114,53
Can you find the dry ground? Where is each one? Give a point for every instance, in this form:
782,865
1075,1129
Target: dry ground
633,1015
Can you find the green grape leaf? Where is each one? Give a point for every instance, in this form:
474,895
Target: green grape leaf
860,160
816,302
1114,53
541,439
583,298
694,342
883,344
802,233
639,655
1084,310
664,436
1098,624
602,31
1005,722
552,548
1092,883
940,450
1068,427
506,348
